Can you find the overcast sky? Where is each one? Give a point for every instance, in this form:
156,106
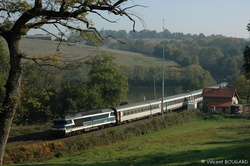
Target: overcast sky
226,17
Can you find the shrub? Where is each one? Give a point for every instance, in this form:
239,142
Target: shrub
52,149
34,152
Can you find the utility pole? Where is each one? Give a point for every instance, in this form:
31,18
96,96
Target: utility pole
162,100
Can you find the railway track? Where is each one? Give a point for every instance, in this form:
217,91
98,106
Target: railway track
46,136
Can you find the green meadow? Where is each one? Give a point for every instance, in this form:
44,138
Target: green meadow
76,51
204,141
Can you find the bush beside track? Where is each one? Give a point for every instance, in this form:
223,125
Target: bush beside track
58,148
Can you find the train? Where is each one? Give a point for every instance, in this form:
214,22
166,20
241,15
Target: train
80,122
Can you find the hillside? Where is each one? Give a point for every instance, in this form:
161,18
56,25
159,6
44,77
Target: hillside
36,47
174,140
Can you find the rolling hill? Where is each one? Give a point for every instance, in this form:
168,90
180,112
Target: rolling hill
37,47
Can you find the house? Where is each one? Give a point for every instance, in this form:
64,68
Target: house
46,37
219,100
39,36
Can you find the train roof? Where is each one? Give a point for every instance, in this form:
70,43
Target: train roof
166,99
196,91
223,84
150,102
155,101
84,113
175,97
132,105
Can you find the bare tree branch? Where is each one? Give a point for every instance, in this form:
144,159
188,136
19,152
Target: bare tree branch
118,3
103,17
115,39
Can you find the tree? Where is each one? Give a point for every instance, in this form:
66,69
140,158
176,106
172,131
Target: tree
243,87
209,58
106,82
19,16
39,89
3,71
246,66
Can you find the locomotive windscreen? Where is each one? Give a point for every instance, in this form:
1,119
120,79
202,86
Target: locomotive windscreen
61,122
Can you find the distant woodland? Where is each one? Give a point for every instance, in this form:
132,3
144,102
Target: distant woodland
221,56
48,91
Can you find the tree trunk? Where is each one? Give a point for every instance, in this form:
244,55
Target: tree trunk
8,109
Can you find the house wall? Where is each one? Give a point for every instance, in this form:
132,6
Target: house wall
207,99
235,100
219,109
230,97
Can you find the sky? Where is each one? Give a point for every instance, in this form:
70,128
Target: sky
225,17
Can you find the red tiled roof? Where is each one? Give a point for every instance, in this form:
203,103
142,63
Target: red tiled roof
226,93
219,103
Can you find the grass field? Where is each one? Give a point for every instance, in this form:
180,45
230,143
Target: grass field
212,138
36,47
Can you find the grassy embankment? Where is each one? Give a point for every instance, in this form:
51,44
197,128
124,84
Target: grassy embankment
36,47
207,138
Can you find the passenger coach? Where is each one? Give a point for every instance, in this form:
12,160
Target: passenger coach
129,112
